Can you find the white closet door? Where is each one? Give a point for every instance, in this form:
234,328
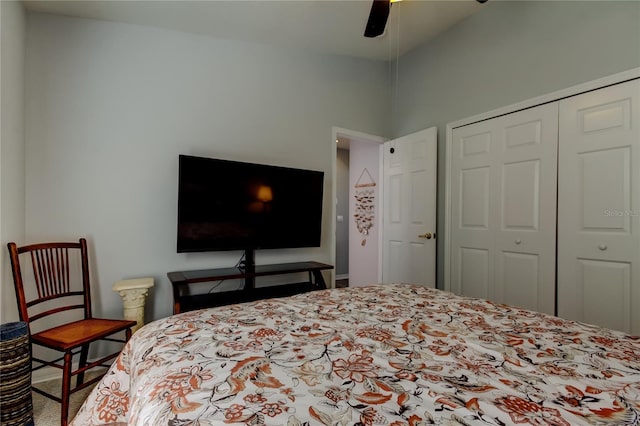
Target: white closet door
599,208
526,208
472,218
503,208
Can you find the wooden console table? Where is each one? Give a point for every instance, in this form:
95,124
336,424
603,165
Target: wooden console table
182,279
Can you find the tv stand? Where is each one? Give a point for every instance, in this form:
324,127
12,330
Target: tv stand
180,280
249,267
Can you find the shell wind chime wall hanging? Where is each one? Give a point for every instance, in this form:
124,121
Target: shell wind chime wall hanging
365,204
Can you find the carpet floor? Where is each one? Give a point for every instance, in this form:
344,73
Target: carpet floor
46,412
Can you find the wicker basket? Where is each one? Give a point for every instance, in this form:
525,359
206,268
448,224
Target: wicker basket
16,406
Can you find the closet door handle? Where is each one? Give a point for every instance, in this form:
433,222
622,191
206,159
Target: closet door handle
518,241
602,247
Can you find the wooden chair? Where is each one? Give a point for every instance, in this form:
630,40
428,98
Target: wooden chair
55,290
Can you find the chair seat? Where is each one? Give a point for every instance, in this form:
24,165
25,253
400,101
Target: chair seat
78,333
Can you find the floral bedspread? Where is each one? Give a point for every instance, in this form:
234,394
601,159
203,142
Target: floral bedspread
378,355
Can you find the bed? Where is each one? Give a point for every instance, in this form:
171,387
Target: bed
378,355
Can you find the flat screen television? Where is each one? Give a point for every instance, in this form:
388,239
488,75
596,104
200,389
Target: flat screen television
231,205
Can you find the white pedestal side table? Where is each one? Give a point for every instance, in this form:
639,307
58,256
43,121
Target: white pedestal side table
134,294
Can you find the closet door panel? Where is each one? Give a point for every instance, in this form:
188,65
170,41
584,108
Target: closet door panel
605,185
503,208
525,237
521,271
520,195
599,208
472,216
605,305
474,199
474,267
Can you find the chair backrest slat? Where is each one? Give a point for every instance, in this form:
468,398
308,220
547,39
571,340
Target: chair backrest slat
52,270
37,275
48,266
55,254
60,262
56,258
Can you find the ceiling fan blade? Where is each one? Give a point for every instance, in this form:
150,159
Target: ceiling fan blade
377,18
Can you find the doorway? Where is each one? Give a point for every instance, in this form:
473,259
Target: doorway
342,212
395,179
356,254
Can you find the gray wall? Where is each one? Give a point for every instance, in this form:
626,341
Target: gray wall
110,106
12,157
342,209
509,52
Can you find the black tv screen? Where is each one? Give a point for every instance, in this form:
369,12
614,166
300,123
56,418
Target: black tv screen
231,205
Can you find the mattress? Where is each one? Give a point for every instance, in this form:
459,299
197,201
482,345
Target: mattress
395,354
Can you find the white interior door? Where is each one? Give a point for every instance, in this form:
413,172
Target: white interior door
525,243
409,203
503,208
472,210
599,208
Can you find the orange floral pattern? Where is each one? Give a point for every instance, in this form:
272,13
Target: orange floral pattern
385,354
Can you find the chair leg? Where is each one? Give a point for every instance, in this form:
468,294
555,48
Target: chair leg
66,389
84,353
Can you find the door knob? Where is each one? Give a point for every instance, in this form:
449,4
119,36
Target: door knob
602,247
427,235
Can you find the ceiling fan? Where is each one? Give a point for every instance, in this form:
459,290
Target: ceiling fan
378,17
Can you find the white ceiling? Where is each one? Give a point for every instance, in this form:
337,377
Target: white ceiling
329,26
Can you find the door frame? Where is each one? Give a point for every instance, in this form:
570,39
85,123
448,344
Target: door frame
351,134
589,86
